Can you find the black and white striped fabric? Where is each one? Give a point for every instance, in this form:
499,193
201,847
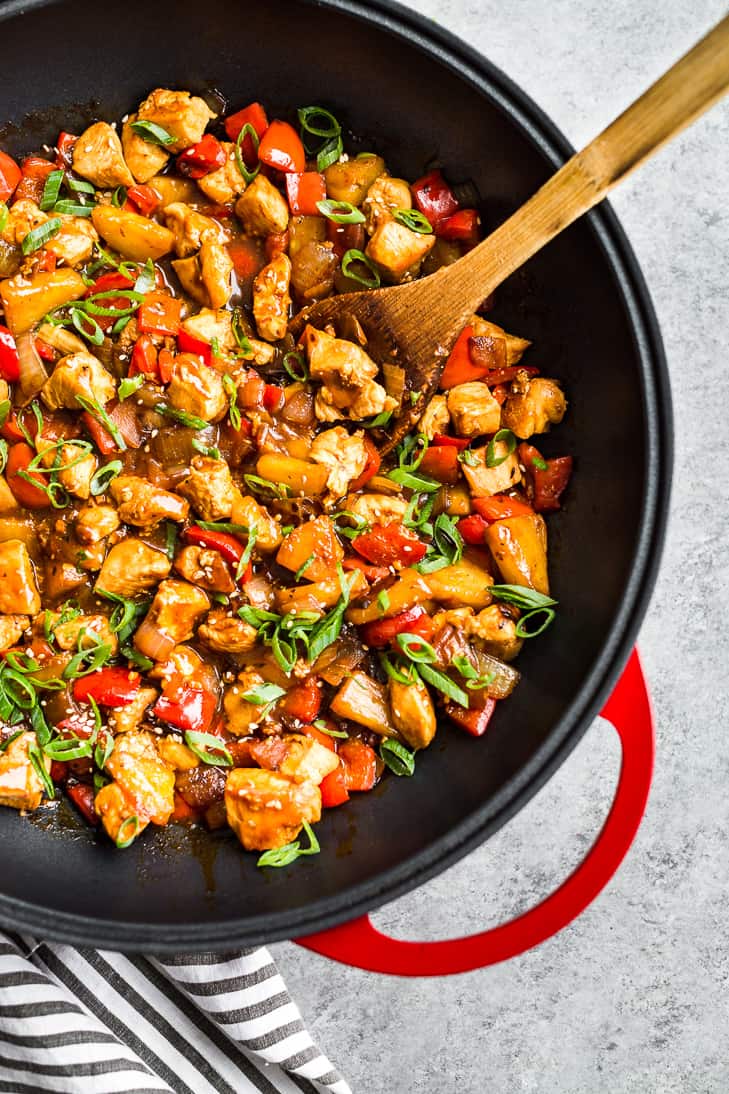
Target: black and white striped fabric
77,1021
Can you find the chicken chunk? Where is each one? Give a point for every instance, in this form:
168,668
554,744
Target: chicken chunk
76,465
344,454
540,404
190,227
377,508
515,346
12,627
210,488
98,157
95,522
78,374
225,633
473,409
23,216
266,809
117,812
384,196
20,784
208,324
147,781
224,185
127,718
242,716
413,713
197,389
18,586
216,267
262,209
485,481
184,116
142,503
143,159
248,512
131,567
74,241
397,251
301,758
271,298
206,568
349,389
436,418
83,632
176,609
495,626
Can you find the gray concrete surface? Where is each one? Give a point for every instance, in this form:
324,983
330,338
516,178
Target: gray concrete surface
633,997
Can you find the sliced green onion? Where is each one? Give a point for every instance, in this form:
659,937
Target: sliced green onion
102,751
474,680
303,568
128,386
4,411
181,416
91,306
3,454
265,486
524,631
248,173
341,212
67,748
238,329
378,421
104,476
97,411
36,758
416,648
360,524
443,683
87,326
329,153
208,748
171,533
413,482
411,450
521,596
231,391
41,235
127,833
284,856
353,255
324,727
205,450
147,279
4,213
119,197
298,371
78,186
262,694
539,463
153,133
399,759
311,117
223,526
414,220
383,601
73,209
505,437
51,190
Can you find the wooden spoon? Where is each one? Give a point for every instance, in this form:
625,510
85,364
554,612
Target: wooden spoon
415,325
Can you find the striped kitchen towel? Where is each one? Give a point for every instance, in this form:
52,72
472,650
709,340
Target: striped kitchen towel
78,1021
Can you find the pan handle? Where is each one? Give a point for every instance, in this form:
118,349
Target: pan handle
360,944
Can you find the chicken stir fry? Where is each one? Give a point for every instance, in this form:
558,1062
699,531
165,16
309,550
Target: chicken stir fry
218,605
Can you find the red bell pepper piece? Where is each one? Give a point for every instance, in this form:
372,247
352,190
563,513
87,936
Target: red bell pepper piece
386,544
165,365
475,722
303,701
253,115
473,529
144,357
381,631
371,467
9,360
24,492
501,393
333,788
110,687
456,442
500,507
462,226
372,573
460,368
45,352
145,198
109,281
360,764
545,485
58,772
423,626
246,258
186,707
441,463
303,191
12,432
64,148
46,262
187,344
273,397
101,436
82,797
159,314
434,198
35,171
226,544
10,175
281,148
202,158
318,735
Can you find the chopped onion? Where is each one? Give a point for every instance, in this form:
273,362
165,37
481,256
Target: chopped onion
33,373
152,642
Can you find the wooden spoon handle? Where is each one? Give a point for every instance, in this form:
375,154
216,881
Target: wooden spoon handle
691,86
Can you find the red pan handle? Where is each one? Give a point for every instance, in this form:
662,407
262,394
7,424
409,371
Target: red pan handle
359,943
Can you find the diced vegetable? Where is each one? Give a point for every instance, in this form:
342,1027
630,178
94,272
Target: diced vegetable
9,176
281,148
519,548
133,236
25,302
304,191
387,544
547,479
109,687
434,198
364,701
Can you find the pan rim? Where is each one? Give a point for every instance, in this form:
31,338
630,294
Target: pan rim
484,78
